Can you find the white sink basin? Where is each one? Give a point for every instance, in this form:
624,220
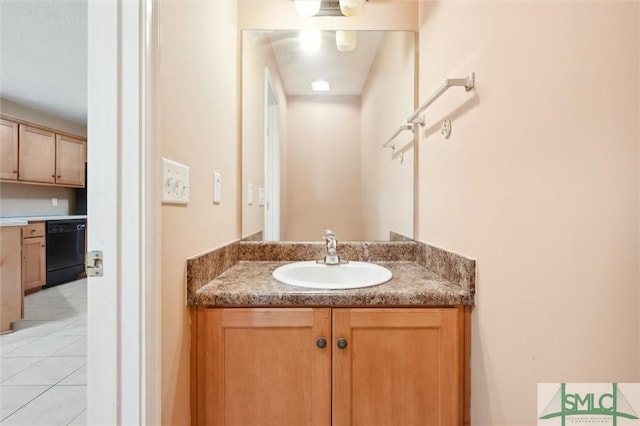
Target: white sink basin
332,277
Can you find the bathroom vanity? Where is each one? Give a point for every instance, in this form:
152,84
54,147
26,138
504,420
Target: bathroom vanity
266,353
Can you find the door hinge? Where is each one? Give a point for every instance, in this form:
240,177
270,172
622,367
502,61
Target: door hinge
94,264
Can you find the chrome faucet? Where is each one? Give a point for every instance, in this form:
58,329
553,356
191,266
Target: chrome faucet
332,257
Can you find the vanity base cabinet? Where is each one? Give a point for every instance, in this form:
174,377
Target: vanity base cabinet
261,367
379,366
399,367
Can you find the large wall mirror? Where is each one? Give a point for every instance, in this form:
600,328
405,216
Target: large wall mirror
317,107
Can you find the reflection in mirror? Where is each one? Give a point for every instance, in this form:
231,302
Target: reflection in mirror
313,159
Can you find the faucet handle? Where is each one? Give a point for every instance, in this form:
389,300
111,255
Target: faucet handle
329,233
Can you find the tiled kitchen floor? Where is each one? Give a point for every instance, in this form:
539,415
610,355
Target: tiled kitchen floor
43,362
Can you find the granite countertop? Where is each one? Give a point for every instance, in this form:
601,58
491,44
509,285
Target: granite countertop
239,275
249,283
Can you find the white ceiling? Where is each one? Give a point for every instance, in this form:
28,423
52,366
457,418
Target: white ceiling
346,72
43,56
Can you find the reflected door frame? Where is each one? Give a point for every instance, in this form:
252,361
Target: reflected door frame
272,160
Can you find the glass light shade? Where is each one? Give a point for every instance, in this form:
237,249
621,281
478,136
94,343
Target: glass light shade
351,7
310,40
346,40
307,7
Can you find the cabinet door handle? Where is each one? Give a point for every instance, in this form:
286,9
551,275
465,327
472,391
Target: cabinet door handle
59,176
33,230
15,172
321,342
342,343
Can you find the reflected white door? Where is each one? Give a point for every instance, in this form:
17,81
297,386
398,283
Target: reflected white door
272,161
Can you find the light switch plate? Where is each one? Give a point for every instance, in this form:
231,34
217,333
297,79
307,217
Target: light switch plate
261,196
250,194
217,187
175,182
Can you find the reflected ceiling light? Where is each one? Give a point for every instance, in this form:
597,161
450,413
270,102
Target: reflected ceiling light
320,86
307,7
351,7
310,40
346,40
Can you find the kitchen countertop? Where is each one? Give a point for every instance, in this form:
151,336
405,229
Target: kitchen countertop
8,221
249,283
12,222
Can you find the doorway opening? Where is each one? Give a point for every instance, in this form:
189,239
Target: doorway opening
272,160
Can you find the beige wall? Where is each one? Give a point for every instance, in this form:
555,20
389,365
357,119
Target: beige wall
539,183
18,199
387,101
199,124
257,55
322,182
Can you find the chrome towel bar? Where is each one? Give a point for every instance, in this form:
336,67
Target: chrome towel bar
468,83
401,129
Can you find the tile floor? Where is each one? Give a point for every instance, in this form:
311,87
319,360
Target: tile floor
43,377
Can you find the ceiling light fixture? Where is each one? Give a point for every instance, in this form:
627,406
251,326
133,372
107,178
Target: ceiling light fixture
307,7
320,86
310,40
346,40
351,7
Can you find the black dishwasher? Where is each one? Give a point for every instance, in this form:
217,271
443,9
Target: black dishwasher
65,250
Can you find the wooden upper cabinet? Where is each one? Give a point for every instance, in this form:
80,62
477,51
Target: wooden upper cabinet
399,367
37,155
8,150
70,158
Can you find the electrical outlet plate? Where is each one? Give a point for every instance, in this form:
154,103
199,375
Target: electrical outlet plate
175,182
217,187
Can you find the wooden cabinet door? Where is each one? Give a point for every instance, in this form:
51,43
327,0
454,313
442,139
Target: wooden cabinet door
400,367
8,150
10,280
70,158
262,367
37,155
34,268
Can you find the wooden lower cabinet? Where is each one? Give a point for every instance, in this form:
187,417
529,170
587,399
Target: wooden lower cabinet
10,277
34,263
380,366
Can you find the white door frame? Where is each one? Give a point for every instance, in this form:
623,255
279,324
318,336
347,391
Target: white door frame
272,159
123,376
